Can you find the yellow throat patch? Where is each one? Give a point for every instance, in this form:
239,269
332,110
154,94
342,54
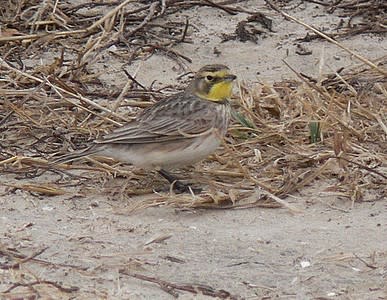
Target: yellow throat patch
220,90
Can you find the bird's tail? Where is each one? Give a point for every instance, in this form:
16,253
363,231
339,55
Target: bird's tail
76,155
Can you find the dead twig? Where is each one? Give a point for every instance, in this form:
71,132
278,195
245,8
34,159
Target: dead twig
149,16
364,262
41,282
362,166
24,260
194,289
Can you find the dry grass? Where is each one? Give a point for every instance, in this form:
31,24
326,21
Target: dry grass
284,137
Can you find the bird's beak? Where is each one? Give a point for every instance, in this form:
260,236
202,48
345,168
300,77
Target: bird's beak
230,77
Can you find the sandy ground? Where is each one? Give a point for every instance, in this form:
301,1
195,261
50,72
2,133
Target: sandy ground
325,252
333,249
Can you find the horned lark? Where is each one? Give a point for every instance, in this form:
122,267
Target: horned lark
176,131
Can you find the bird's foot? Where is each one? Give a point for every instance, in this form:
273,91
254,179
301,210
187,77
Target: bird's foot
181,188
178,186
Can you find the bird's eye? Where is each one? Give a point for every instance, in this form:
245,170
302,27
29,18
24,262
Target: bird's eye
209,77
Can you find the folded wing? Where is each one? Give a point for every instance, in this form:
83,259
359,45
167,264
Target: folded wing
161,123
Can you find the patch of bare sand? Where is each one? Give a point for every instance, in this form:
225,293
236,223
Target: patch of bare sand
93,243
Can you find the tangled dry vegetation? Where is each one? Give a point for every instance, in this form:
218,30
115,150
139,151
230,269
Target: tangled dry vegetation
284,136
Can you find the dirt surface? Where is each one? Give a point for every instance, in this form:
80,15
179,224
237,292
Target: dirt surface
88,244
322,253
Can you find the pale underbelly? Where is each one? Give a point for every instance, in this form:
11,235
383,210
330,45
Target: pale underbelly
164,155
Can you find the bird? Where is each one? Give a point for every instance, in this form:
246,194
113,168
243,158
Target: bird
177,131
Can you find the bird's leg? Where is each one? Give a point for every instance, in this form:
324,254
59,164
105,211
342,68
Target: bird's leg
177,184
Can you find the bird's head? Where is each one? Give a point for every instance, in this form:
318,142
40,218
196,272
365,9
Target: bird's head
213,82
